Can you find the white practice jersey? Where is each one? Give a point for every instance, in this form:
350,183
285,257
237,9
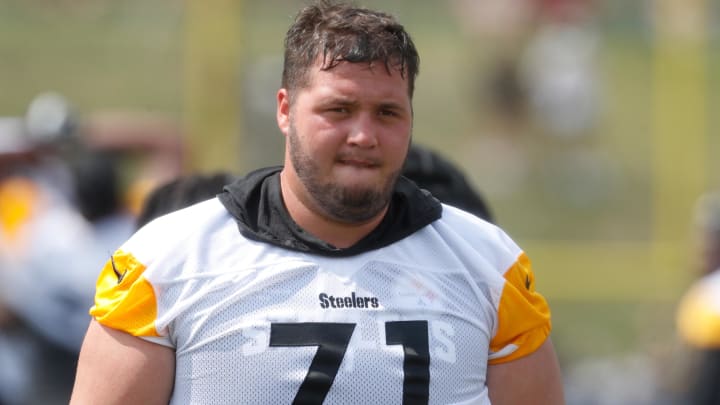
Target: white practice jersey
414,322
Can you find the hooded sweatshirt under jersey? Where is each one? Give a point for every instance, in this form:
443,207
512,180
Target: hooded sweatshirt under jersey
259,311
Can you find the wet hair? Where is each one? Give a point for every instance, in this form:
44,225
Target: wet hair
339,32
180,193
444,180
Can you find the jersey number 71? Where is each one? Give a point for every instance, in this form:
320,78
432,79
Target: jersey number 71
332,340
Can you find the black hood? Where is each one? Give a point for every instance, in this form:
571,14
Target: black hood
256,203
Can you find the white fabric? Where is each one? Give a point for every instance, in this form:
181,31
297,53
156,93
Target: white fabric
218,294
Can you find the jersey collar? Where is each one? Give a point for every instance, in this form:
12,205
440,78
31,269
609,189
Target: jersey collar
255,201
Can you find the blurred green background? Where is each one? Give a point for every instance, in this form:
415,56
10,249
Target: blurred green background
604,209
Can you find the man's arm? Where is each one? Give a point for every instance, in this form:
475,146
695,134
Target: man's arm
117,368
533,379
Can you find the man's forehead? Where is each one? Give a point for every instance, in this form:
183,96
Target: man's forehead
353,72
327,86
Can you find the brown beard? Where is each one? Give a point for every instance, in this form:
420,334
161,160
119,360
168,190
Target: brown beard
341,203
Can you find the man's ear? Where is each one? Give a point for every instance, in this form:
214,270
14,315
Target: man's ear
283,110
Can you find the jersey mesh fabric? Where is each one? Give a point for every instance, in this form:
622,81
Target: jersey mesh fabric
228,328
219,296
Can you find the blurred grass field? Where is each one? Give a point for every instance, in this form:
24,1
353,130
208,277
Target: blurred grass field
586,209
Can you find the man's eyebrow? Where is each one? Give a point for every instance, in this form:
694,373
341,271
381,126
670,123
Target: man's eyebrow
338,100
390,105
347,101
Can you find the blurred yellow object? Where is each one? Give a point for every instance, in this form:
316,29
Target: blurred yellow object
698,318
136,194
19,199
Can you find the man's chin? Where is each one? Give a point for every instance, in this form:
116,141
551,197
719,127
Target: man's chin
354,204
358,195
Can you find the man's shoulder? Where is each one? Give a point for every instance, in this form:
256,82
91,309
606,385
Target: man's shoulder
452,213
477,235
194,215
179,228
470,225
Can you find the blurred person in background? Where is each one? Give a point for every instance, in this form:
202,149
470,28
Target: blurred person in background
181,192
150,144
255,296
559,68
444,180
542,65
63,211
698,316
45,270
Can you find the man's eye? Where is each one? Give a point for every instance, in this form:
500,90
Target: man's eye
388,113
338,110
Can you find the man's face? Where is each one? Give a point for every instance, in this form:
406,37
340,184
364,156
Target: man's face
348,133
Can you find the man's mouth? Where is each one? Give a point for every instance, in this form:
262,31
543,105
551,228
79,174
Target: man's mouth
359,162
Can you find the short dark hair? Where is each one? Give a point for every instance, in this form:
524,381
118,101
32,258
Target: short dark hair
181,192
444,180
338,32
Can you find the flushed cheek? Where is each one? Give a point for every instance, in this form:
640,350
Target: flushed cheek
397,146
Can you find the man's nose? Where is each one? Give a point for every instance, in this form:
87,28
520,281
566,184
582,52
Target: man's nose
363,131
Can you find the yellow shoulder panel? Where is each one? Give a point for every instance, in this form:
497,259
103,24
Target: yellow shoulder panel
523,314
124,299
